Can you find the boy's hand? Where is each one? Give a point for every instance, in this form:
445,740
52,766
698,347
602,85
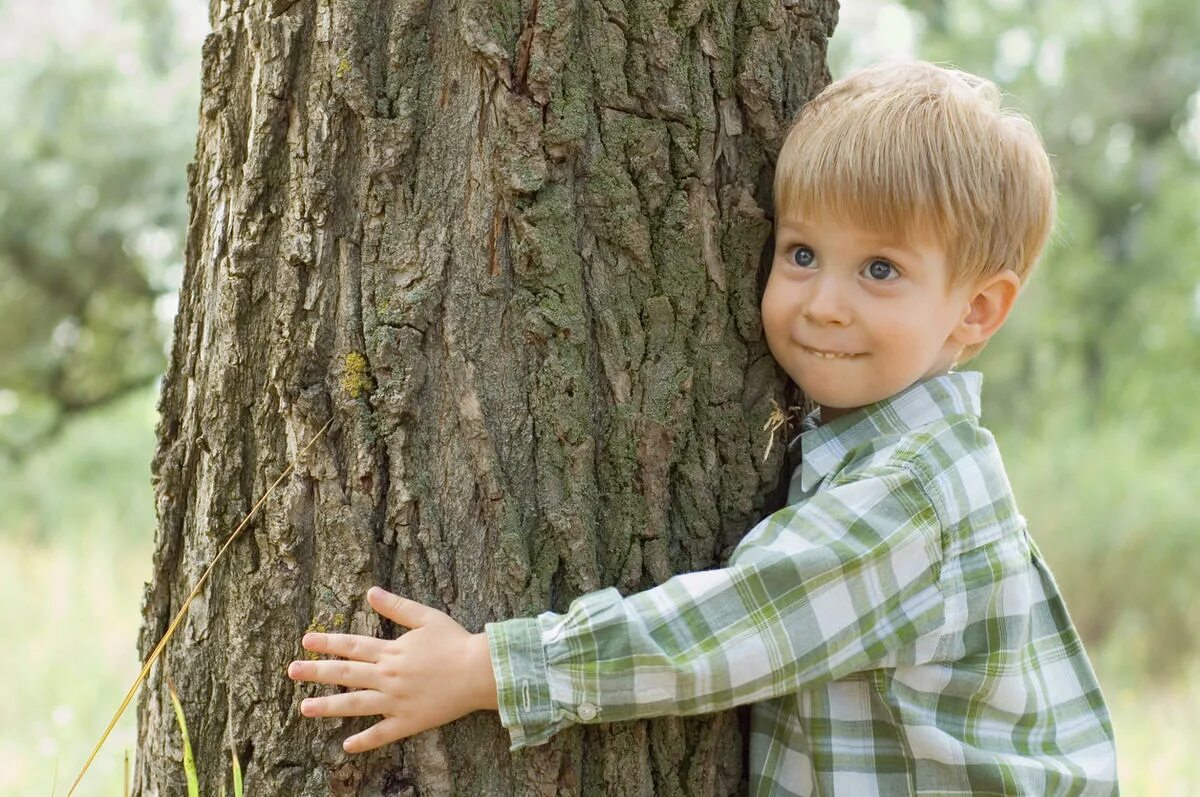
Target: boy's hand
431,675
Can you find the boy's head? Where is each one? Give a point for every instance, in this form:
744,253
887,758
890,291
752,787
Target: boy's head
901,162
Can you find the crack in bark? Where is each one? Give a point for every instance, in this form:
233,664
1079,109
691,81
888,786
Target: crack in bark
524,45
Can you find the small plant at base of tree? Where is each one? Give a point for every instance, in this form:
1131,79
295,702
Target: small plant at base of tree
189,761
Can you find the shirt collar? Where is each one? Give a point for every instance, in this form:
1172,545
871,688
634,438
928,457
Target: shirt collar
823,447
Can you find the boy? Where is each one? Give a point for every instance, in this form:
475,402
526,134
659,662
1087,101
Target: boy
894,625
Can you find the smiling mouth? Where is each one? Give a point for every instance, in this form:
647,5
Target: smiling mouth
829,355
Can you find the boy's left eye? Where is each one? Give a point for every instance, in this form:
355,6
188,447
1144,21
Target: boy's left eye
881,270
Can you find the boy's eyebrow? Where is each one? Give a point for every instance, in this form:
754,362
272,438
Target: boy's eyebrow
780,224
884,244
876,241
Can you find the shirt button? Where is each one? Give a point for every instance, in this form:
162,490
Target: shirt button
587,712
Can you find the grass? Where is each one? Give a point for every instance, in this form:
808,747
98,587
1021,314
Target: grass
73,615
1155,723
76,537
189,759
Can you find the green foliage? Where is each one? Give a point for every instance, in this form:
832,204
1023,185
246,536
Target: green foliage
92,203
74,611
92,481
1114,513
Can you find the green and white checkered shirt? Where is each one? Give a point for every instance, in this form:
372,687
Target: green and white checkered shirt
895,627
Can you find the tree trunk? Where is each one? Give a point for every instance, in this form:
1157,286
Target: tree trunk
514,250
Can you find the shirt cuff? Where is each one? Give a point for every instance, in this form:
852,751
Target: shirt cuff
522,682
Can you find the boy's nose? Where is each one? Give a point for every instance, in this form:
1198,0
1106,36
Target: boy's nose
825,302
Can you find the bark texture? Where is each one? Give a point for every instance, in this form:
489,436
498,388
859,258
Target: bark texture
515,249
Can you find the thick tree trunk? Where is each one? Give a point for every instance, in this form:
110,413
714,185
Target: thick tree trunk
515,250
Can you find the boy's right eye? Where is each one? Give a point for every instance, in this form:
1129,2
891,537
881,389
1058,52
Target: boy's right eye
803,256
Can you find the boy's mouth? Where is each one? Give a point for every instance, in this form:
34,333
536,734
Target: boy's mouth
829,355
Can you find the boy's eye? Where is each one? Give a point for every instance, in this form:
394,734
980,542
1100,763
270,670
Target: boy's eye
881,270
803,256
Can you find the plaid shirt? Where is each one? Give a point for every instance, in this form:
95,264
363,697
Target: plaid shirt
895,626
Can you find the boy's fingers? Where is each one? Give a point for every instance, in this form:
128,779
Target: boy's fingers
362,703
379,734
401,611
348,646
355,674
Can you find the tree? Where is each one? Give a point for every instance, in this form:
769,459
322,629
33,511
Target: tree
514,250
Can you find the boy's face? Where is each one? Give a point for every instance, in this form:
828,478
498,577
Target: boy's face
855,318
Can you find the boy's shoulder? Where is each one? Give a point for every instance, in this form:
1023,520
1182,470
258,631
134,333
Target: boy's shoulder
931,430
940,447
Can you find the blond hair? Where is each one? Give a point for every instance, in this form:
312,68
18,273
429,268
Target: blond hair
904,148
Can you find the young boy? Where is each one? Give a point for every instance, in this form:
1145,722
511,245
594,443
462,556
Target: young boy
894,625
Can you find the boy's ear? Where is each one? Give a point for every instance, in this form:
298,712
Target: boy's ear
990,303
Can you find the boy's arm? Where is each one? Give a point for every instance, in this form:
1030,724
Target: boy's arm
844,582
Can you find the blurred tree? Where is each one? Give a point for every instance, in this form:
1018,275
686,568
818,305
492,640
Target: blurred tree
97,130
515,251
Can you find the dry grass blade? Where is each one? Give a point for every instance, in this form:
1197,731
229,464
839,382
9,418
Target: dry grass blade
778,419
162,643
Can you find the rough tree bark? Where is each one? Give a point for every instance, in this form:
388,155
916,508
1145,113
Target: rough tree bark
515,250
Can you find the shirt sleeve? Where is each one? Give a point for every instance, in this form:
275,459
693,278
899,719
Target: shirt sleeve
833,585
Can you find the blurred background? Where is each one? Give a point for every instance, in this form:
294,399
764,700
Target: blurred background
1092,387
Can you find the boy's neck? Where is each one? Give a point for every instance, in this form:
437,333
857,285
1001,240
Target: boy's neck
833,413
